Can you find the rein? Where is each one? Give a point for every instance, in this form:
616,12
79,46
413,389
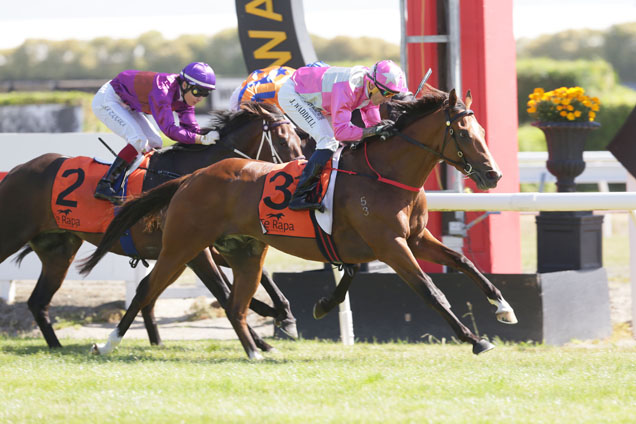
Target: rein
266,137
466,167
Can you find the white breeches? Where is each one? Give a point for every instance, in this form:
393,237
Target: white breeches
132,126
307,117
234,98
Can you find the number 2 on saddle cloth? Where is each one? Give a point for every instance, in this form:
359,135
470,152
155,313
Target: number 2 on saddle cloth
72,201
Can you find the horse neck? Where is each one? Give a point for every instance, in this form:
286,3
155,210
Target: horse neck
401,161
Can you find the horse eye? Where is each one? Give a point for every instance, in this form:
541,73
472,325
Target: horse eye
463,134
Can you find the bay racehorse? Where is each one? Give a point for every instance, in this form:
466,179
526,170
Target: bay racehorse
256,131
391,227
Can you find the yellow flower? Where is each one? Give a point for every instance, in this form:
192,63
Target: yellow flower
563,104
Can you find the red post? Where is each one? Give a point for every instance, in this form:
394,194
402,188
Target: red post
489,71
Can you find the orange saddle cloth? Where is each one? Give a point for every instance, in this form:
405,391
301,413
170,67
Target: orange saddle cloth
72,201
276,218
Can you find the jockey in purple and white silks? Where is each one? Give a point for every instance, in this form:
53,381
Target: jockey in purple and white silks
123,103
320,100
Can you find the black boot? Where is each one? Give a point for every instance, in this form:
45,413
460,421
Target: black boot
308,181
108,186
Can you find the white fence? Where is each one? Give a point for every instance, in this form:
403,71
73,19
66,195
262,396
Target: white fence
601,168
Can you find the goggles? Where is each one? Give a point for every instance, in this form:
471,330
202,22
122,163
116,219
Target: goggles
385,91
199,91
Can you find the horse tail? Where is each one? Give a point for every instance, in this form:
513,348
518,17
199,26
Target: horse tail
127,215
18,259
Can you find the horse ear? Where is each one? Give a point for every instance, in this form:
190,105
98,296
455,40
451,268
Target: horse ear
469,99
452,98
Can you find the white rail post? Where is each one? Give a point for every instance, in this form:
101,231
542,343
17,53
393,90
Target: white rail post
344,313
631,186
7,291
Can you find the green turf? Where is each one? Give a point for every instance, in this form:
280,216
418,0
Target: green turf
316,382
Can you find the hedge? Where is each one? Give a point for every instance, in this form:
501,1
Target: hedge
596,77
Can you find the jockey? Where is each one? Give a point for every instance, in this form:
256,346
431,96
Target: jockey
262,85
123,103
320,100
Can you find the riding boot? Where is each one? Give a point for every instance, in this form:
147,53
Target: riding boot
109,186
309,180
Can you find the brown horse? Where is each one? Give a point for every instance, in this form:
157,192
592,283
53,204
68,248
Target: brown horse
391,227
256,131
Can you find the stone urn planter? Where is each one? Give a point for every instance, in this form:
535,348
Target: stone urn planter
566,143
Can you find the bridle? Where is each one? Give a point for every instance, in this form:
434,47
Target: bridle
467,168
266,138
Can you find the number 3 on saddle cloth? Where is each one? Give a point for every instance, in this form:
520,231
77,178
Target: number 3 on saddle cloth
72,201
277,219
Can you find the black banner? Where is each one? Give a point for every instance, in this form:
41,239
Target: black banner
273,32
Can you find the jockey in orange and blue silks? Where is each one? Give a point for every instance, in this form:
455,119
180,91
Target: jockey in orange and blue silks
320,100
123,103
261,86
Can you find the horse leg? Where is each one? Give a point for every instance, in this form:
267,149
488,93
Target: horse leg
398,256
427,247
261,308
215,280
147,292
284,318
150,322
326,304
56,252
247,265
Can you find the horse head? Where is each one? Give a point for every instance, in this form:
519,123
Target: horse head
258,131
456,138
468,146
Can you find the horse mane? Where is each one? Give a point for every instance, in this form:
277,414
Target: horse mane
408,111
226,121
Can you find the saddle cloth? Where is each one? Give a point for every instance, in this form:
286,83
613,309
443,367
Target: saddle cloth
277,219
72,201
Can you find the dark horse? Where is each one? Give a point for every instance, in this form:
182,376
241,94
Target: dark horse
436,127
256,129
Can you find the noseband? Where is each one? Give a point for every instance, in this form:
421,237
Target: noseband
266,137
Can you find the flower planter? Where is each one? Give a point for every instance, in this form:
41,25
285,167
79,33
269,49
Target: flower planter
566,143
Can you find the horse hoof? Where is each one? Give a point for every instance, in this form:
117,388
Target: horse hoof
482,346
288,326
95,349
507,317
319,311
255,356
504,313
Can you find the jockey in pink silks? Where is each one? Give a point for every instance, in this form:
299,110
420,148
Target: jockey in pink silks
320,101
123,103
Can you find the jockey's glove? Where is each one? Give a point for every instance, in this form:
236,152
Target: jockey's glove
384,130
209,138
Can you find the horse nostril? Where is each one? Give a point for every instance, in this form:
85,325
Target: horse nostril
493,175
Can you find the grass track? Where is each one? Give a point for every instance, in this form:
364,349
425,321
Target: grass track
316,382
